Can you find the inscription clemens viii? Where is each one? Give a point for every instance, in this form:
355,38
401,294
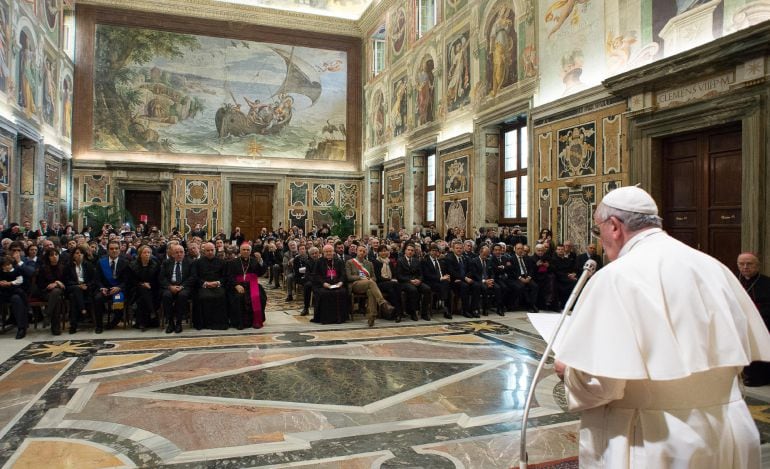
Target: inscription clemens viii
701,89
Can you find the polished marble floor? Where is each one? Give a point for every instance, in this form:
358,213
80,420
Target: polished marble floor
430,394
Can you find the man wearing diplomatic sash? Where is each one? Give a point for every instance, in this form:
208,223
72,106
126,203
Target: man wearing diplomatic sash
111,285
359,271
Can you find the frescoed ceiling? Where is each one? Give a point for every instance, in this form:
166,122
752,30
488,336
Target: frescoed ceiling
347,9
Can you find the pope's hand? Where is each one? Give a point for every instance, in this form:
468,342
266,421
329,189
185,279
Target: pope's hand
559,368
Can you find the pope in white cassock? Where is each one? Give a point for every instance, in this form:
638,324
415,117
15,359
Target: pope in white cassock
654,349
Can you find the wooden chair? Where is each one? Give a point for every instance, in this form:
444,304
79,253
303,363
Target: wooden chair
358,301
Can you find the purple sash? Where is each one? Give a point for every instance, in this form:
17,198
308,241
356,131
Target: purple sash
256,301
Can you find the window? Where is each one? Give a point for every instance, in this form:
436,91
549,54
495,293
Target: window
427,13
68,36
430,188
378,51
514,174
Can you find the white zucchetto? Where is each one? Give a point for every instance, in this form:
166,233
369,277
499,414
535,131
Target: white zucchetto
631,199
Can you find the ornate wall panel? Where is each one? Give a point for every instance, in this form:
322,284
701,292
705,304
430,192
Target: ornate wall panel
375,191
611,139
576,157
454,191
544,156
394,198
196,199
576,208
308,201
6,168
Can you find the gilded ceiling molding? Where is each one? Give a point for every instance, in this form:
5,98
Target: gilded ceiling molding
240,13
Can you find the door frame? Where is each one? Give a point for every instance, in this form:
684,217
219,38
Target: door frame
646,134
160,193
165,198
279,197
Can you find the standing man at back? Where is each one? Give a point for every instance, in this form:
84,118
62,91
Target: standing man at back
654,349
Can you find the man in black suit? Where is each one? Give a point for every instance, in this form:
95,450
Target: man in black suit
521,271
484,281
500,261
111,277
566,275
409,274
436,278
177,284
758,288
459,276
303,268
589,254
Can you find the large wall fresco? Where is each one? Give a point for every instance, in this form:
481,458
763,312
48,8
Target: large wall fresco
157,91
478,54
633,33
350,9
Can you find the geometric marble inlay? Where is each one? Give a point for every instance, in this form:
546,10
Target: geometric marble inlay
355,382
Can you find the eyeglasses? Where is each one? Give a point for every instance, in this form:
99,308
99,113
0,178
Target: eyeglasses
596,230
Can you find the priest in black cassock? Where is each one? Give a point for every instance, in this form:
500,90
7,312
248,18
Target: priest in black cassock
210,274
247,297
333,305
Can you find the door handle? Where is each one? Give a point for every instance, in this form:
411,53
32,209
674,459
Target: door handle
725,217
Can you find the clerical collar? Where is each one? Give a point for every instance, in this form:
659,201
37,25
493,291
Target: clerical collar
637,239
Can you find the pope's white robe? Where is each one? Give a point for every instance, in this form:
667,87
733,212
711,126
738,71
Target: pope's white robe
653,352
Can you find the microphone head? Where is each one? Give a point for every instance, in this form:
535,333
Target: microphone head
590,266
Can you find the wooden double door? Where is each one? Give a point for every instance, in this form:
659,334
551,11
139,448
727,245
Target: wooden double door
702,190
252,208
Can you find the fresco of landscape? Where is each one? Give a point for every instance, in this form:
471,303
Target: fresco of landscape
159,91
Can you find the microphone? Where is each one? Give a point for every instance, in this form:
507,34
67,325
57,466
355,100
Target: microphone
588,269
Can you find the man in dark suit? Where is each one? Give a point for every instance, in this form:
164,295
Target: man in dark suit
459,276
437,279
589,254
483,276
566,275
499,261
758,288
409,274
521,271
303,268
177,284
111,278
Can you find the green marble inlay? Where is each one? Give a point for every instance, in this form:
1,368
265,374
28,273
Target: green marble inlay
331,381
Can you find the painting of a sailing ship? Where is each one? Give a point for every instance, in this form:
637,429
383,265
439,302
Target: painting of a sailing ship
159,91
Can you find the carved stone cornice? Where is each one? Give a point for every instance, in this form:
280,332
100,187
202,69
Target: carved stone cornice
263,16
720,54
373,15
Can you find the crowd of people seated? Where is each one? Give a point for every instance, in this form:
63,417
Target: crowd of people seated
123,274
